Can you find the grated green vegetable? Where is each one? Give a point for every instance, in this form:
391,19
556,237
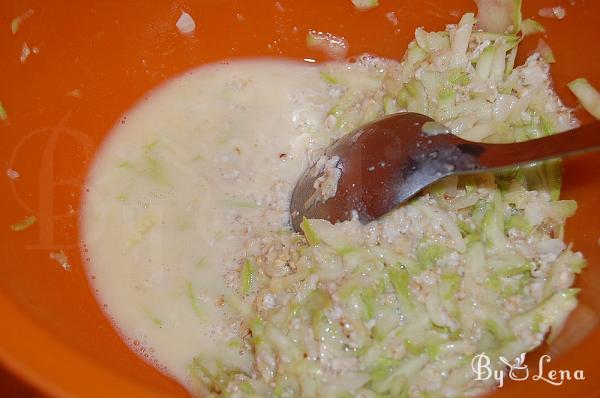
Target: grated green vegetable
194,301
247,276
24,224
3,113
530,27
377,300
400,306
153,318
143,228
309,232
499,16
16,22
545,51
365,4
587,95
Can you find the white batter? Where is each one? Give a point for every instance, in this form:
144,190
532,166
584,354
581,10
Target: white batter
177,189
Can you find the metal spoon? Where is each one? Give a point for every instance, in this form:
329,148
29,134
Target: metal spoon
388,161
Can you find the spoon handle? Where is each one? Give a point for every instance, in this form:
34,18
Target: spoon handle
580,140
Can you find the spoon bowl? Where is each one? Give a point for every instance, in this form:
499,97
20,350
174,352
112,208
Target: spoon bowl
381,165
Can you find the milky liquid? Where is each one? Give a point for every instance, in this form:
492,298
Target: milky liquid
198,166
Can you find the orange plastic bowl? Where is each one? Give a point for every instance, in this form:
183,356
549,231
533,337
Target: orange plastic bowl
53,333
